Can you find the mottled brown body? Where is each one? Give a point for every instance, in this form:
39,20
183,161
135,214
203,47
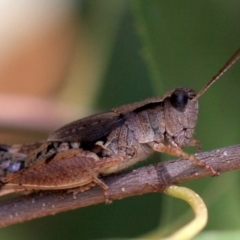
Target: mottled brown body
102,147
75,155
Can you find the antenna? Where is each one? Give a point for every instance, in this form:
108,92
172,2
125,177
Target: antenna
227,65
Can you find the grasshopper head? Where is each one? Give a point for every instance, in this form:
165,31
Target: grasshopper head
181,112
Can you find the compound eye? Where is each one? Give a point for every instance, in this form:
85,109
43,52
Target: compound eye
179,99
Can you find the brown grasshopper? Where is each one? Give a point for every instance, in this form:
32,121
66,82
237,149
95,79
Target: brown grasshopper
74,156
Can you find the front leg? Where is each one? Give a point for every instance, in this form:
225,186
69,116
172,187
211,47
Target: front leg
178,152
195,143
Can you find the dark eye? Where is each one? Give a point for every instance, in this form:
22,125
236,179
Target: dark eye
179,99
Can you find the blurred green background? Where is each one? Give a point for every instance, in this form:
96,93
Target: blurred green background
145,48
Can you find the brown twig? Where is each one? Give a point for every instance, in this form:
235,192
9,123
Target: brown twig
152,178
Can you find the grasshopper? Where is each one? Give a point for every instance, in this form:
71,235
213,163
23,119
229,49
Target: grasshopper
74,156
